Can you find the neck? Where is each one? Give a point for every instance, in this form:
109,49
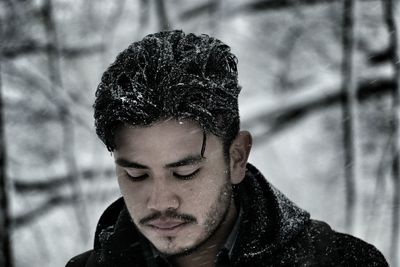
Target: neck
206,254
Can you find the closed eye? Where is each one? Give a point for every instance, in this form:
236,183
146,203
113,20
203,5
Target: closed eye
136,178
187,176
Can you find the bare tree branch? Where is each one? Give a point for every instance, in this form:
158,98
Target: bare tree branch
49,184
40,84
295,108
31,47
265,5
252,7
26,79
380,57
56,201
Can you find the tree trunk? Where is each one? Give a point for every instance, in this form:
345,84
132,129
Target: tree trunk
349,113
163,21
144,18
392,23
53,54
6,258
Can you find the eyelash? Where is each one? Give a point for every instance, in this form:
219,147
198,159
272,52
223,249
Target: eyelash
187,177
136,179
180,177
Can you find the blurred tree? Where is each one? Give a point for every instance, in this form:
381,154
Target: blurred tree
164,23
6,258
54,52
350,109
54,71
393,26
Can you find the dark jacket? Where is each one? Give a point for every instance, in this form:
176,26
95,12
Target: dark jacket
273,232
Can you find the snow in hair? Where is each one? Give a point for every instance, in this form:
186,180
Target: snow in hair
170,75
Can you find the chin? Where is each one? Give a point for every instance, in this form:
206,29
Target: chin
177,250
180,245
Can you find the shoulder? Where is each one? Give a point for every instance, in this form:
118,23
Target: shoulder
80,260
342,249
107,219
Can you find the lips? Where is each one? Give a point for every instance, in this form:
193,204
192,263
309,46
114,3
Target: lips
167,227
166,224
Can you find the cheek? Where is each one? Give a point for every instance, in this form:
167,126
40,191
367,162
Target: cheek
134,197
128,188
199,198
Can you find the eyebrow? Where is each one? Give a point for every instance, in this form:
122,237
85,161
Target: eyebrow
129,164
186,161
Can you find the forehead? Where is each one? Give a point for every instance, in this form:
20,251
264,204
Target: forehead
167,141
168,130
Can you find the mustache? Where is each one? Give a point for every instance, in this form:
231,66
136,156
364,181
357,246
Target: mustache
168,214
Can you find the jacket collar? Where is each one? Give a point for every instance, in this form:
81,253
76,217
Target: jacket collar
269,220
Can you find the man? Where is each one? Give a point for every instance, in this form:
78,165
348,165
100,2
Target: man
167,109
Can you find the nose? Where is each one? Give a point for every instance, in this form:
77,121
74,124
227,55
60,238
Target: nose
162,197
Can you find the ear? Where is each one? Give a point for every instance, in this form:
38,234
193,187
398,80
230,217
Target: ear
238,155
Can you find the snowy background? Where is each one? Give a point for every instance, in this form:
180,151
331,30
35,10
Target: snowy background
53,53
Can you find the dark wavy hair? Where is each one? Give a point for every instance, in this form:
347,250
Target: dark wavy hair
170,75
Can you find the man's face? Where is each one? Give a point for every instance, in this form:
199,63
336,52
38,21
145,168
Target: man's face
176,198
